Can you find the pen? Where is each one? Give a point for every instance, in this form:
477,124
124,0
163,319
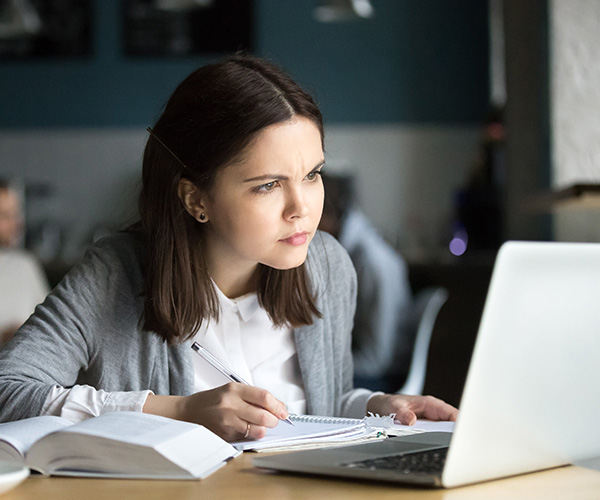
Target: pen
228,372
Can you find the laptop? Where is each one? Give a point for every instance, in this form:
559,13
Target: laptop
531,399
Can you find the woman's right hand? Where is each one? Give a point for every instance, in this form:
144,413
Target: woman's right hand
232,411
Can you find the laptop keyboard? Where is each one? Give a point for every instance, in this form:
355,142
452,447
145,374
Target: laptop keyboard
424,462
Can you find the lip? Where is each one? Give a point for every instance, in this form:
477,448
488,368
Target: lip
296,239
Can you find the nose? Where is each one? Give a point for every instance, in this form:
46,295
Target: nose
296,205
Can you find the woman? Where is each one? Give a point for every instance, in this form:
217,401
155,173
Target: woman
226,253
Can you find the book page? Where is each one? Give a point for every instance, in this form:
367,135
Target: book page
133,427
21,434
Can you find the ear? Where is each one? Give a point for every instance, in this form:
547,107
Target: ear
191,199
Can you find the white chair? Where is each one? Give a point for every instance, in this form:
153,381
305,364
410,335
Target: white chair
426,306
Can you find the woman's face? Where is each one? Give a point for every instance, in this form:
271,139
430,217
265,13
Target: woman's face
266,208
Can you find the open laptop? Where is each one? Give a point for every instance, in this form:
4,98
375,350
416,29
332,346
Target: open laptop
531,400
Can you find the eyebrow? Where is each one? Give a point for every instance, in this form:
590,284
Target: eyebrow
279,177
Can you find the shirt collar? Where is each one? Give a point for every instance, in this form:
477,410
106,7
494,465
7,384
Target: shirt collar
246,305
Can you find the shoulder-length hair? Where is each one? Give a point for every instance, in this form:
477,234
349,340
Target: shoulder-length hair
207,123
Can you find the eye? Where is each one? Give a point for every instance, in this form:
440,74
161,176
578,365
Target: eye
313,175
265,188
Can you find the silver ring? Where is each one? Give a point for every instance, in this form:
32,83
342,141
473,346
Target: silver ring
247,430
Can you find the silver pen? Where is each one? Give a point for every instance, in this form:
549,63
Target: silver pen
228,372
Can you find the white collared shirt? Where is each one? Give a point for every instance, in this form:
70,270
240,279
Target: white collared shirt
245,340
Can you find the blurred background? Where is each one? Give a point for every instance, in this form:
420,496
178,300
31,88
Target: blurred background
462,123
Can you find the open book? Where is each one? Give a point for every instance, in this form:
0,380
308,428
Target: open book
311,431
123,444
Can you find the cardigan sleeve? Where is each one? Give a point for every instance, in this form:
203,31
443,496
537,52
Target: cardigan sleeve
61,342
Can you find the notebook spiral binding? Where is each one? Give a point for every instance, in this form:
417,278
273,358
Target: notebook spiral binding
323,420
371,420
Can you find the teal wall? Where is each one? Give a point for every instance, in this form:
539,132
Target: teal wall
416,61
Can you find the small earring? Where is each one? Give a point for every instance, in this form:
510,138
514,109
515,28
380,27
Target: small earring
202,217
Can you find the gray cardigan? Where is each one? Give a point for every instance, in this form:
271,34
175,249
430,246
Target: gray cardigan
88,331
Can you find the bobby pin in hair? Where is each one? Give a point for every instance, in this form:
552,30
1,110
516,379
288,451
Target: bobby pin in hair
166,147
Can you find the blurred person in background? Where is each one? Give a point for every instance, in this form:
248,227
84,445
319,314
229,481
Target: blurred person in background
23,283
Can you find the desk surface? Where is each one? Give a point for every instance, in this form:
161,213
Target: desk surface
239,479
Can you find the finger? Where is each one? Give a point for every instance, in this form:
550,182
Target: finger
405,415
447,412
251,431
257,416
265,400
435,409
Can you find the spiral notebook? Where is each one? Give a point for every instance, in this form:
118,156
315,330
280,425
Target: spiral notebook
310,431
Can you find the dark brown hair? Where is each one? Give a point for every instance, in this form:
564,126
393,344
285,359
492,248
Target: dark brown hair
206,125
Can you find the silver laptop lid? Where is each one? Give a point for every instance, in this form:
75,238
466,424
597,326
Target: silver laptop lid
531,400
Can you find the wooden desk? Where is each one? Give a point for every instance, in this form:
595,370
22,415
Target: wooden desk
239,480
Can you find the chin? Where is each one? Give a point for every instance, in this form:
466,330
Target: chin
285,267
290,263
